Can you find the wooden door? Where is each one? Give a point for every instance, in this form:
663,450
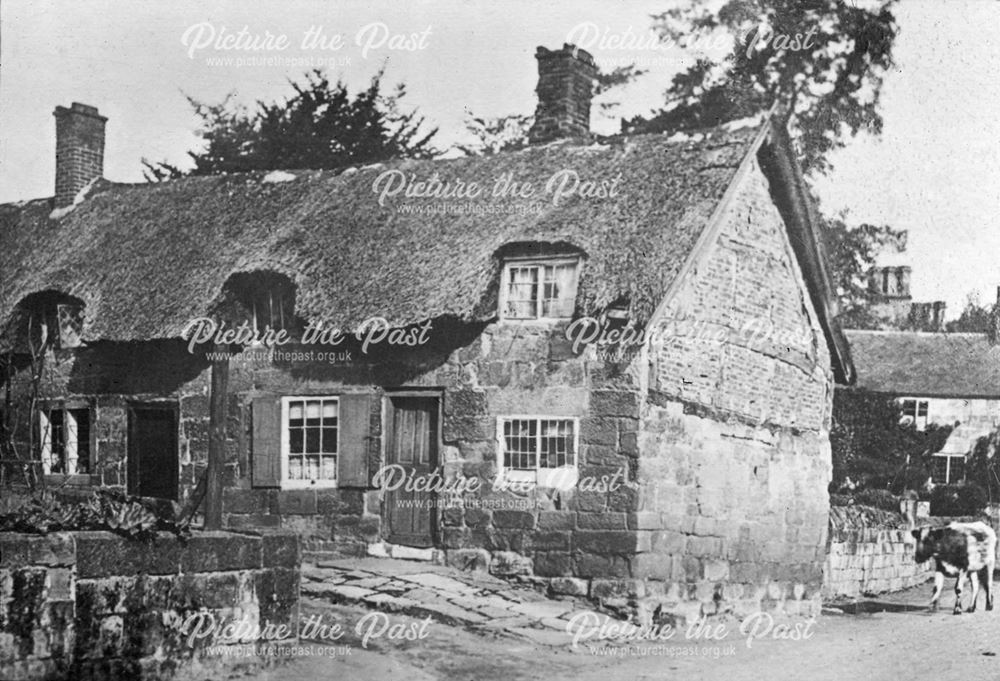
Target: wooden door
411,442
152,452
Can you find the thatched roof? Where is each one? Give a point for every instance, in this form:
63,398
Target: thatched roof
919,364
148,258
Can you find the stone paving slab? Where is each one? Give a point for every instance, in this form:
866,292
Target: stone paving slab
476,601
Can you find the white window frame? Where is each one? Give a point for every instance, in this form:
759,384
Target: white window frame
948,468
286,482
510,263
71,442
542,477
921,421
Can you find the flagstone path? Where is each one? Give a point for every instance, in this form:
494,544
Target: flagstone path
473,600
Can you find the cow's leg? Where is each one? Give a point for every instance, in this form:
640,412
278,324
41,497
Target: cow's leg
974,578
958,592
938,586
988,584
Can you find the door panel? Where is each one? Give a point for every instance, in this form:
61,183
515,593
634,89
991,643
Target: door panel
412,442
152,452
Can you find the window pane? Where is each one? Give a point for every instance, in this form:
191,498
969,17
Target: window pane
294,467
328,469
312,468
57,435
957,472
329,443
909,408
82,440
312,412
296,440
557,444
559,291
312,440
940,472
295,413
520,437
329,411
522,292
921,409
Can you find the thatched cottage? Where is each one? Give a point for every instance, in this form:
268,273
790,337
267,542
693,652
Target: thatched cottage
605,363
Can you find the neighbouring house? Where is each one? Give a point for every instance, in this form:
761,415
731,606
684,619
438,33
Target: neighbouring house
625,388
947,379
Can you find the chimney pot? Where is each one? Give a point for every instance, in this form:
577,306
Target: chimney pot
79,150
565,90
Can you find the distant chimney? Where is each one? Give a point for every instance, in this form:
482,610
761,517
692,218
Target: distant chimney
79,149
938,317
994,328
565,88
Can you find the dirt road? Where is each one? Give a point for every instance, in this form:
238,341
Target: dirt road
905,642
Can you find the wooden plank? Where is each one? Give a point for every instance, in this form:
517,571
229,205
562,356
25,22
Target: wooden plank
218,400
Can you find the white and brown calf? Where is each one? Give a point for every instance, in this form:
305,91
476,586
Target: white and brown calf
958,550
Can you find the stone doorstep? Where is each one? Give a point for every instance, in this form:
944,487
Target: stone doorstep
542,610
489,612
381,601
371,582
344,592
440,582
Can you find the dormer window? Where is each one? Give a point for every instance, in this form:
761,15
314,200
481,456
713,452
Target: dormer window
265,300
539,289
50,319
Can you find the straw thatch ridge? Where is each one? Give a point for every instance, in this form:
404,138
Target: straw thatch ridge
148,258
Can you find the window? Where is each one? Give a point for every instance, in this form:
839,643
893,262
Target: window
915,411
310,437
948,469
51,319
266,300
539,290
531,448
65,440
70,320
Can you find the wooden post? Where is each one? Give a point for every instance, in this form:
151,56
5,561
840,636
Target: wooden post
217,439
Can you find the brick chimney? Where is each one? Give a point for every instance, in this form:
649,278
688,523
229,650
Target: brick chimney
79,150
565,89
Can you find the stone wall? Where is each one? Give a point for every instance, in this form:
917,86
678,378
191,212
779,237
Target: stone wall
870,556
94,605
734,447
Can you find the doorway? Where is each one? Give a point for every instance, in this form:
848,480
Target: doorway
411,441
152,451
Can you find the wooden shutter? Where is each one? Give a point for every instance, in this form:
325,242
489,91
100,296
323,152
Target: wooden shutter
355,417
266,442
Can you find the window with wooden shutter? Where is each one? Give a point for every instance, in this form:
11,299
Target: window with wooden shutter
355,417
266,471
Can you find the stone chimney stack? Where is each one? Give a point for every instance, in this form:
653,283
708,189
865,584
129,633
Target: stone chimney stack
565,89
79,150
937,321
994,328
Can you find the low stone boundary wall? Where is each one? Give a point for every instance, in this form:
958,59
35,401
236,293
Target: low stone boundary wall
870,552
83,605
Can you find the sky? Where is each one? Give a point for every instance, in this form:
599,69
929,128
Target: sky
935,170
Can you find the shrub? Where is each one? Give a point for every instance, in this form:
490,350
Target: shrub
957,500
109,510
877,498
